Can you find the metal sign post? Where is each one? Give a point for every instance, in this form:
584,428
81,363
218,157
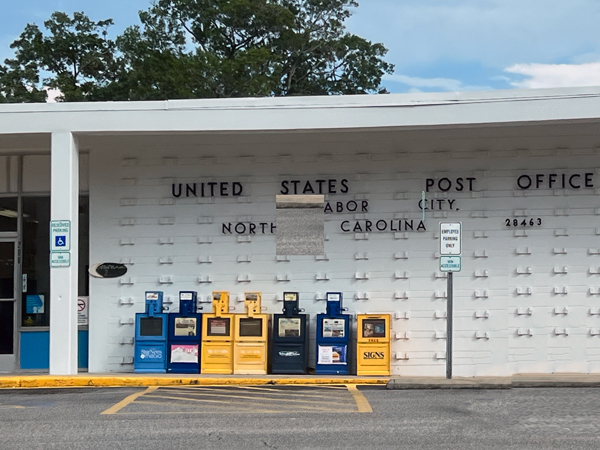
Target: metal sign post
450,262
449,329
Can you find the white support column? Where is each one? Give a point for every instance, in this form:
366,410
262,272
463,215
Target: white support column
63,280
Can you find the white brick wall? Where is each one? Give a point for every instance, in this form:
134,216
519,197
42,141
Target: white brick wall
176,244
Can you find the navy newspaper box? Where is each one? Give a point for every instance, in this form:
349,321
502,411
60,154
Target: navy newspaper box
151,336
185,335
290,338
333,338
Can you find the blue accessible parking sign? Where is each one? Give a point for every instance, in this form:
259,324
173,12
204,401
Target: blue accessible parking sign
60,235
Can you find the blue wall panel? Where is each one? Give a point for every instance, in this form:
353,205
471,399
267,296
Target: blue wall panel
83,344
35,350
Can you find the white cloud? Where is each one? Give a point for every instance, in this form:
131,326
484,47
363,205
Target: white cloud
555,75
490,33
438,84
52,94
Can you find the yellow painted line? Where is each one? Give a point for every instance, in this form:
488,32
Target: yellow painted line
128,400
251,390
221,406
181,399
219,403
293,393
153,413
256,400
12,407
361,401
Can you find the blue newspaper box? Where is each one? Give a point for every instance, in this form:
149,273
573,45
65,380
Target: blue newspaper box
151,336
290,338
333,338
185,335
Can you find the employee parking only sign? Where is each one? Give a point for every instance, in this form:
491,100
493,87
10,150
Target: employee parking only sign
450,246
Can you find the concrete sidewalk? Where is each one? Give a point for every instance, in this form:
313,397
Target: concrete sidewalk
131,379
530,380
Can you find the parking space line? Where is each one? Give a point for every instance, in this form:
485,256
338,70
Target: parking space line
361,401
256,399
253,399
231,411
150,402
247,397
126,401
267,391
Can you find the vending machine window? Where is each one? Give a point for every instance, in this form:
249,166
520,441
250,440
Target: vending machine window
218,326
186,326
251,327
151,326
374,328
334,328
290,327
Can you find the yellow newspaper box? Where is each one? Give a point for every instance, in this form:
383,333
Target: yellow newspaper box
217,337
373,347
251,336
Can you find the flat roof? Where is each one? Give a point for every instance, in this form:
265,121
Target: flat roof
415,110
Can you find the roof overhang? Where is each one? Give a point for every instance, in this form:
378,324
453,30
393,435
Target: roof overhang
366,112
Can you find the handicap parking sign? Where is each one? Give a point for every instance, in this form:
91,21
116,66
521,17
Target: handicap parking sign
60,236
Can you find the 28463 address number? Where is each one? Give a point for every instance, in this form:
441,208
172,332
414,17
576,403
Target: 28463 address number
532,222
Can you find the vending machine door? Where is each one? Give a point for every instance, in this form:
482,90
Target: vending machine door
184,343
217,344
289,352
150,351
250,344
373,345
333,350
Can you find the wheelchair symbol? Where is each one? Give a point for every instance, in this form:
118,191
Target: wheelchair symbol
60,241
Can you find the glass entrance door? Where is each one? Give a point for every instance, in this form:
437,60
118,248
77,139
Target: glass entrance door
8,296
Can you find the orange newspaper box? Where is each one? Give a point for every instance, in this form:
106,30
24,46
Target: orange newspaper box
217,337
250,348
373,346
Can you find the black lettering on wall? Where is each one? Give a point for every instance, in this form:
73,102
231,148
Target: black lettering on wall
556,181
190,190
320,186
176,190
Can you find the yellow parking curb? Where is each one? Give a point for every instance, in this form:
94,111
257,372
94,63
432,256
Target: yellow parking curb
45,381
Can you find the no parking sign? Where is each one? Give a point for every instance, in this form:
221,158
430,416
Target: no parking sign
83,309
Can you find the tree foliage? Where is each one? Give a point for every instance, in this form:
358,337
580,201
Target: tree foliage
76,58
198,49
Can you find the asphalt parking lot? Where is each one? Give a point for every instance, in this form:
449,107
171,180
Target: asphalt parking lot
299,417
243,400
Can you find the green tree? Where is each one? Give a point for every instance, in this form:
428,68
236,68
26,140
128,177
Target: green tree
20,84
75,54
240,48
198,49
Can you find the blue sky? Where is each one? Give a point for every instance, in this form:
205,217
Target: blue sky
436,45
